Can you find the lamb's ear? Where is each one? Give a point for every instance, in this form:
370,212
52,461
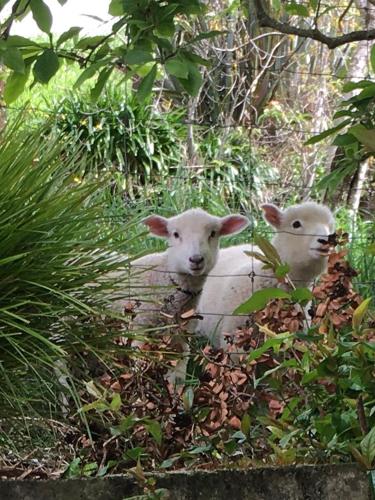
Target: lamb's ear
272,214
232,224
158,225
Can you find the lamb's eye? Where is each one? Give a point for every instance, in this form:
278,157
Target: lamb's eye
176,235
213,234
296,224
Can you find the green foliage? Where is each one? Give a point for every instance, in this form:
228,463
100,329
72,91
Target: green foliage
121,135
54,242
232,167
357,142
259,300
149,28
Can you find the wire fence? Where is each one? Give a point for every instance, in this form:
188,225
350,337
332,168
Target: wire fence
190,171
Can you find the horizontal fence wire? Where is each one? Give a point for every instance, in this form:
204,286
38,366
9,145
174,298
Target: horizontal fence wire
251,274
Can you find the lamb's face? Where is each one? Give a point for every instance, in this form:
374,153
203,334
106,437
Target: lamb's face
193,238
302,234
193,242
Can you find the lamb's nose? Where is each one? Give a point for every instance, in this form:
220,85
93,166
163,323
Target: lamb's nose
196,259
322,241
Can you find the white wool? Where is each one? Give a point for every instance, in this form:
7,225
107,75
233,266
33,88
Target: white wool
171,282
230,283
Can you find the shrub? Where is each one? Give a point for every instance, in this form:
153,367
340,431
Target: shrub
119,134
52,241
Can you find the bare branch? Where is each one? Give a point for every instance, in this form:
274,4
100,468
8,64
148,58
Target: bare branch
267,21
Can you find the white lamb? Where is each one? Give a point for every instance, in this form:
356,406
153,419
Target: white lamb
175,278
170,282
302,242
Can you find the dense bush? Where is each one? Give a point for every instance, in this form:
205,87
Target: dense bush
119,134
52,231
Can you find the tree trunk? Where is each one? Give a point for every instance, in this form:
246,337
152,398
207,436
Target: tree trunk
358,70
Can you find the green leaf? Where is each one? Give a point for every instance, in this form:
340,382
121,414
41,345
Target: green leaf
166,28
89,42
89,469
67,35
350,86
46,66
137,56
154,428
368,446
116,402
359,314
169,462
88,73
301,295
145,87
188,399
195,58
100,84
344,140
260,299
14,86
42,15
268,249
193,82
3,4
73,470
296,9
326,133
310,377
12,58
269,344
177,67
257,256
20,41
116,8
372,58
282,270
98,405
342,113
364,135
245,424
135,453
371,249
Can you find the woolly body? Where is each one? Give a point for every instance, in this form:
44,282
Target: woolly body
236,276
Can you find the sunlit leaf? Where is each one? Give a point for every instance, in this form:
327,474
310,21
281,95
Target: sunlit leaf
145,87
14,86
42,15
301,295
359,313
368,446
67,35
260,299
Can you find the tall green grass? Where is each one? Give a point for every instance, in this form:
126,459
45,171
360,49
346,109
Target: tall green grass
56,240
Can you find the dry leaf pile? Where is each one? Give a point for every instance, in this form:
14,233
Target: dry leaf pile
165,421
336,298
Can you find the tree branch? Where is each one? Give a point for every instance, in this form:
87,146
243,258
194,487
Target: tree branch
267,21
